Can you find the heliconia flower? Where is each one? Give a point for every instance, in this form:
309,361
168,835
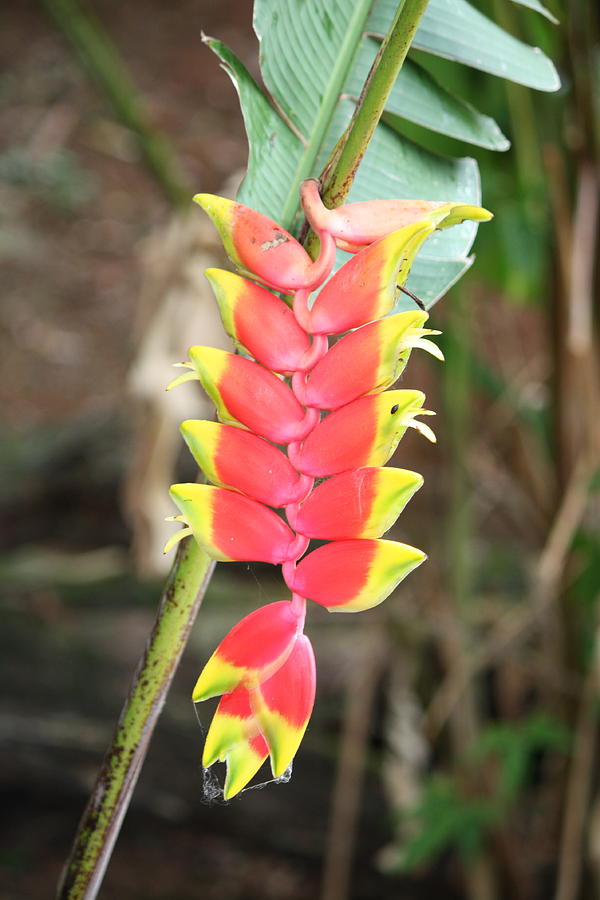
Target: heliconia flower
264,668
229,526
235,458
253,650
263,249
259,321
372,358
234,737
356,225
349,576
283,704
362,503
365,288
363,433
244,391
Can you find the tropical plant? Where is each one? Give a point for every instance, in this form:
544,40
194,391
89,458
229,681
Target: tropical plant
318,118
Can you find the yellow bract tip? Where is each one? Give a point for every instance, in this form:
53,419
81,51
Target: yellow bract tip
175,538
182,379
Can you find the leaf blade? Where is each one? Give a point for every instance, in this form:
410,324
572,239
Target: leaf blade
418,97
305,76
272,144
455,30
307,60
539,8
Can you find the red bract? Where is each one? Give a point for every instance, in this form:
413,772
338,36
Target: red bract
356,225
349,576
372,358
267,719
362,503
252,651
363,433
245,392
264,249
366,287
337,421
235,738
232,527
279,344
283,704
266,475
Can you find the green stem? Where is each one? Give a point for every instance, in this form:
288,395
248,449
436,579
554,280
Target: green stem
97,53
340,172
101,821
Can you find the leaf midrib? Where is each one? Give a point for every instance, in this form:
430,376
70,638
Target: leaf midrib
329,100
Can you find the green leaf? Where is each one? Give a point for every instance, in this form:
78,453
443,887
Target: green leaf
272,144
455,30
306,52
515,745
313,54
537,6
432,277
418,97
447,820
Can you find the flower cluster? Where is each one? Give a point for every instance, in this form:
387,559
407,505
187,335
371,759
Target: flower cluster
291,411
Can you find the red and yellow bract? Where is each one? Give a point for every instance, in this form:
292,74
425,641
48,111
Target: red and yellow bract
337,421
361,503
267,474
372,358
349,576
280,343
364,433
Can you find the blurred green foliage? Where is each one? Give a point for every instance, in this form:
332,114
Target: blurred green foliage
59,176
452,815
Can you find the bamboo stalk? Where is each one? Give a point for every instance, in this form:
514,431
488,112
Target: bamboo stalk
579,790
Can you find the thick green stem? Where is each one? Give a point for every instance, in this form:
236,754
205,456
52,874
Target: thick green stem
101,821
97,53
341,170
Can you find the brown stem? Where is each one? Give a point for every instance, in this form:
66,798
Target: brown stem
578,790
515,626
347,790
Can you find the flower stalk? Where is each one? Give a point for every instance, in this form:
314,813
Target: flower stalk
108,803
338,175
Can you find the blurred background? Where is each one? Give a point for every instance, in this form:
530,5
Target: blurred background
453,748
